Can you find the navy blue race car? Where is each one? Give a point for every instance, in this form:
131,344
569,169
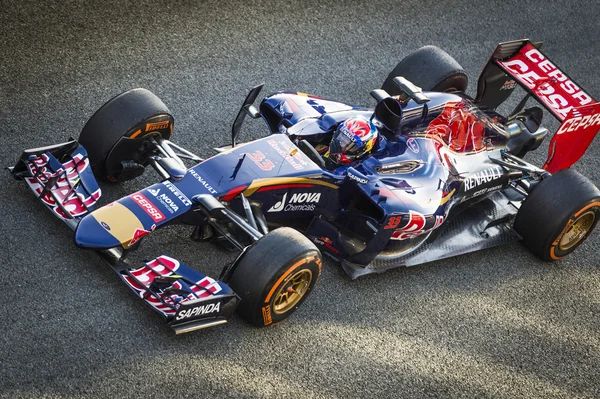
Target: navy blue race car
428,173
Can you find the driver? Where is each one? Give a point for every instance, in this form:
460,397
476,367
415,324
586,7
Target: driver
352,140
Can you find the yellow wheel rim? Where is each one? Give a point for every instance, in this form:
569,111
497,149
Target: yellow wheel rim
293,289
577,231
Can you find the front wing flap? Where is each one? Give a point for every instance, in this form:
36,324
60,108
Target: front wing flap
188,299
61,177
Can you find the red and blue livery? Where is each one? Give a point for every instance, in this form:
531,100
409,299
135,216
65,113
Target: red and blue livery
444,175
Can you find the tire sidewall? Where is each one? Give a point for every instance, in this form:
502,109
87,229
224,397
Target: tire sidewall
134,114
430,68
156,126
451,83
550,210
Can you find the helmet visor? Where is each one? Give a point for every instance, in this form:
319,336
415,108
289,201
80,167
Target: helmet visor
343,144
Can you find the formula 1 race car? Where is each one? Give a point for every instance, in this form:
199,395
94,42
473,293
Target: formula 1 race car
446,177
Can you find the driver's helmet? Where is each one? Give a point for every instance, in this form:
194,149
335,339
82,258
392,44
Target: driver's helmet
353,139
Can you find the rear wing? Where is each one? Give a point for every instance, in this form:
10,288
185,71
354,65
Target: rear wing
521,62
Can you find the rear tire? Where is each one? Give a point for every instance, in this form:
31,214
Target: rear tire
430,68
137,113
559,214
275,276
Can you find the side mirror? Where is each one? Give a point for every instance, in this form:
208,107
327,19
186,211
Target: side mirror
246,109
379,94
410,90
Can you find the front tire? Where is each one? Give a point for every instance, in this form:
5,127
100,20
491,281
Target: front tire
558,215
275,276
134,114
430,68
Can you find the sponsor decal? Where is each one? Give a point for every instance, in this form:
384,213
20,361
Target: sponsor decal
165,200
486,190
347,133
278,207
327,243
166,266
573,137
579,122
208,284
297,202
105,225
509,85
168,203
553,87
138,234
147,206
416,225
75,203
202,181
181,196
266,312
157,125
483,177
356,178
412,145
199,310
146,274
290,153
400,167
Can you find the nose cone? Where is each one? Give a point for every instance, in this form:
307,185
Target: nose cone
95,235
108,227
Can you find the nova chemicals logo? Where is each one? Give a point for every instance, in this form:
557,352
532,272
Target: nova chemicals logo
278,207
298,202
165,199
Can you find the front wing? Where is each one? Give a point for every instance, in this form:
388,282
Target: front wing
61,178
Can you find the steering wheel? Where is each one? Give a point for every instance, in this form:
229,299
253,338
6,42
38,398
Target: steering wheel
310,151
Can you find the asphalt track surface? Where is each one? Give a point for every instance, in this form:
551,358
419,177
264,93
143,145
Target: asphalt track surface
500,323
